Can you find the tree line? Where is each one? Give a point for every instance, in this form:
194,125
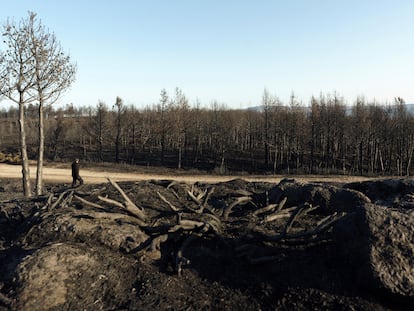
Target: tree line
327,136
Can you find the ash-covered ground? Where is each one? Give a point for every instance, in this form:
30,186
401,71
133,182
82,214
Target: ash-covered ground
237,245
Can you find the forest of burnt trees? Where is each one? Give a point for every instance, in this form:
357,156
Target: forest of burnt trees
325,137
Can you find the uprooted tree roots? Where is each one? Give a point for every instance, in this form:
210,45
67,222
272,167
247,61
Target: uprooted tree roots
187,222
197,246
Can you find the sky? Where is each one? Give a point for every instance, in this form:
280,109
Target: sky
230,51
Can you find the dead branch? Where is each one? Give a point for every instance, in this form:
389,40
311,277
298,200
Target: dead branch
295,213
138,220
197,197
49,201
267,208
187,224
128,204
205,200
327,218
123,194
193,197
67,200
88,203
303,237
172,183
201,195
213,221
172,206
60,198
292,219
322,227
238,201
282,203
156,242
243,193
213,225
123,207
175,193
277,214
201,205
110,201
309,209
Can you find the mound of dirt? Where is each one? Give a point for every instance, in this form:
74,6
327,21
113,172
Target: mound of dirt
236,245
379,244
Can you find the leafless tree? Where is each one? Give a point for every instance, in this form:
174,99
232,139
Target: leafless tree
179,110
54,73
33,68
17,79
161,122
119,111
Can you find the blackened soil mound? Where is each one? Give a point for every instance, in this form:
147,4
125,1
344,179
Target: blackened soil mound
237,245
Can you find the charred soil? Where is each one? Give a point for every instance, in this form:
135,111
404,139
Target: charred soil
168,245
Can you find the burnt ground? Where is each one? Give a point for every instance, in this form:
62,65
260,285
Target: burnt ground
165,245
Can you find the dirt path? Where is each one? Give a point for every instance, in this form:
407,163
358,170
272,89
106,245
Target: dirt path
62,175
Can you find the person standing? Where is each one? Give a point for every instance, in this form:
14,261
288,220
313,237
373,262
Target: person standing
75,173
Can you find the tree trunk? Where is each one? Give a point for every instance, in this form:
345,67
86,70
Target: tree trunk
162,145
361,159
85,153
407,173
39,172
23,150
118,136
180,151
133,145
381,162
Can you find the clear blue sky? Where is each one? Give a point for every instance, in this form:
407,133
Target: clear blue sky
230,50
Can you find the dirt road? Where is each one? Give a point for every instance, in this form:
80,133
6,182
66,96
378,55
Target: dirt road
63,175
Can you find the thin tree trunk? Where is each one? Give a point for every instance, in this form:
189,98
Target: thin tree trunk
407,173
85,155
133,145
23,150
39,172
381,162
118,135
179,154
361,159
222,164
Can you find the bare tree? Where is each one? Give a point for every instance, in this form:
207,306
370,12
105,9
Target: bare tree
119,110
33,67
53,72
98,127
162,125
179,110
17,79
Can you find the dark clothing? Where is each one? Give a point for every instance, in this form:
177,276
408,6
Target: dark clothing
75,173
